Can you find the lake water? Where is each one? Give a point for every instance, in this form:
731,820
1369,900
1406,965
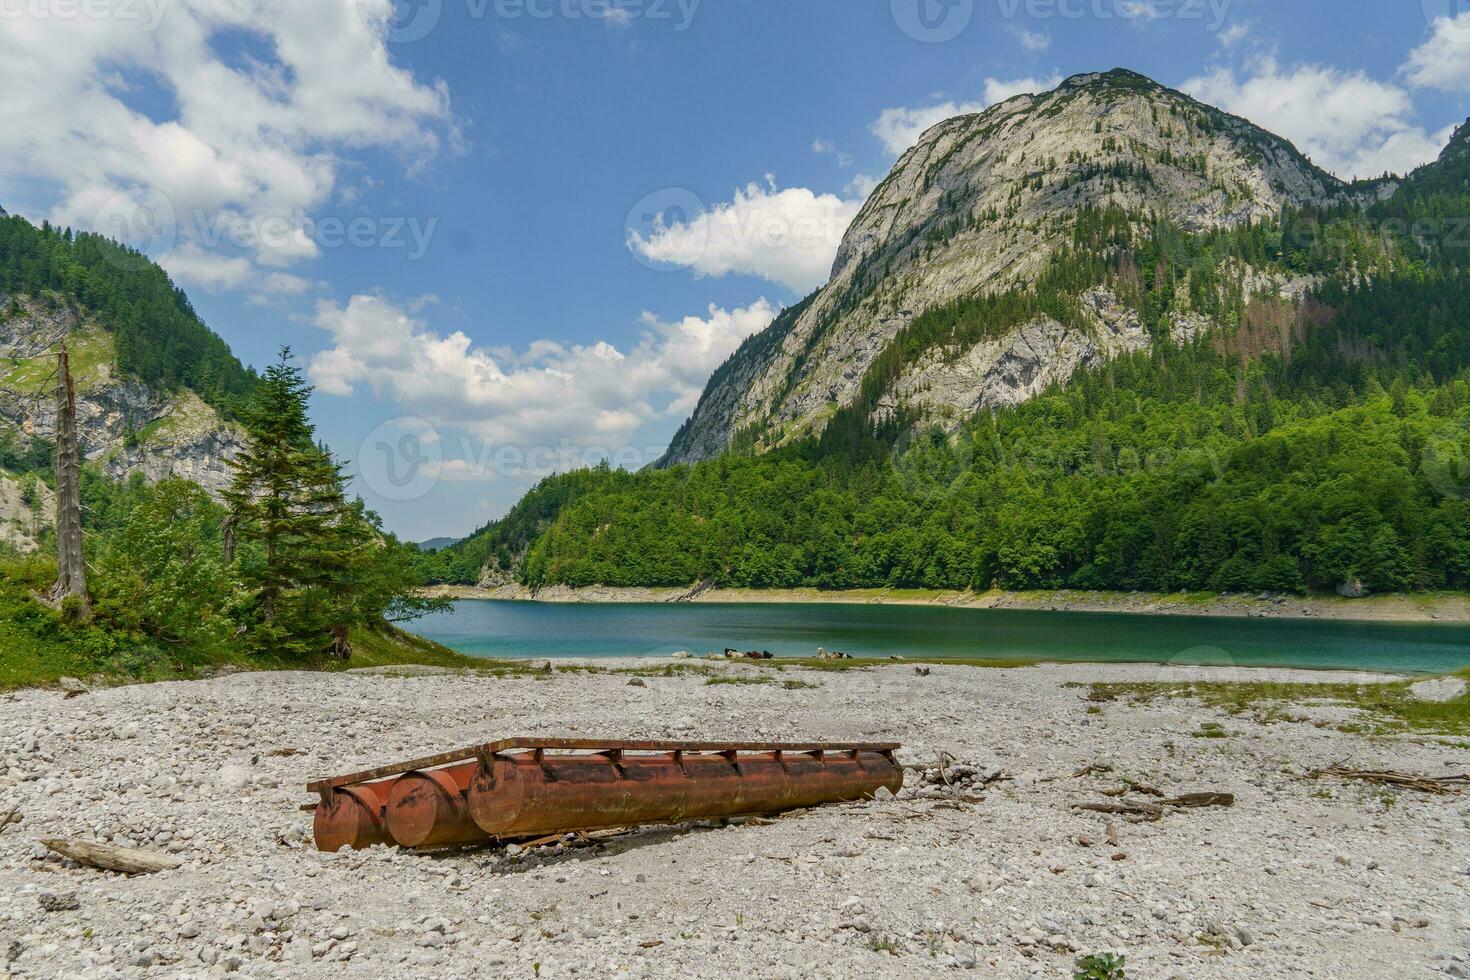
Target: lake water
523,630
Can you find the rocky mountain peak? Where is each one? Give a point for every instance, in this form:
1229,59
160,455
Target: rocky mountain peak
981,203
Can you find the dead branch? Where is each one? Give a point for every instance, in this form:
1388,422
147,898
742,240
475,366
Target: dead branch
1433,785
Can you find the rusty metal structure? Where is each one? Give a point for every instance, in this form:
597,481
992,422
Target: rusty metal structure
525,788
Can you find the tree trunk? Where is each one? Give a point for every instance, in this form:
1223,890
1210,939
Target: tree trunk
71,565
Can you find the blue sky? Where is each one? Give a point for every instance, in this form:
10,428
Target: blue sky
505,235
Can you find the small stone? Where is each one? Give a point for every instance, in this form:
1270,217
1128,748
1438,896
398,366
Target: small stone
234,777
1439,690
636,682
883,794
59,901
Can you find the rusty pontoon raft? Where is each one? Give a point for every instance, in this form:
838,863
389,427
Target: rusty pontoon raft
522,788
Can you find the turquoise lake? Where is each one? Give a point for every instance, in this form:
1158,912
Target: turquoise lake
520,630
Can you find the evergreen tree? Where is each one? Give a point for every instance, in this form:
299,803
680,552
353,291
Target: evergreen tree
299,539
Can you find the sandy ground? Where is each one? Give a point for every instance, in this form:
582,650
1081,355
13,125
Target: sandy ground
1302,878
1438,607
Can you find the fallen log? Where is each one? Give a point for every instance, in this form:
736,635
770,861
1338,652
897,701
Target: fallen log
106,857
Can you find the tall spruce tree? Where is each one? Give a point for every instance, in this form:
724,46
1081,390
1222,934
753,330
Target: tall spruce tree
299,539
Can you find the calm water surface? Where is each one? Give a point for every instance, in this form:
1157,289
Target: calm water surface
531,629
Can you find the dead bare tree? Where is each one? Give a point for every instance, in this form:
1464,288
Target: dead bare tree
71,580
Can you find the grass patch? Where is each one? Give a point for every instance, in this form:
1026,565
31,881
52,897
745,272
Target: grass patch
1385,709
91,355
861,663
799,685
737,679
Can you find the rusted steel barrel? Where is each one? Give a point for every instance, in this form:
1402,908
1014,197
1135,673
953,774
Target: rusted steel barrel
428,809
530,794
352,816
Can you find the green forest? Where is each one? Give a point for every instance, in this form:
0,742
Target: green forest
159,338
1298,446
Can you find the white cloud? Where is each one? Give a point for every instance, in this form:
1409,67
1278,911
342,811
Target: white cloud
617,16
1443,62
862,186
1232,36
998,90
1350,124
250,138
211,272
899,129
1031,40
786,236
586,394
829,148
1139,10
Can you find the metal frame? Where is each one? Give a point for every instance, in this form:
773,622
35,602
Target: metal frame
613,748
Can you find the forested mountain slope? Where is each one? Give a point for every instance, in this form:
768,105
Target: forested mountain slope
1258,382
155,387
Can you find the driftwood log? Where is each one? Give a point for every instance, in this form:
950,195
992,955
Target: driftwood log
124,860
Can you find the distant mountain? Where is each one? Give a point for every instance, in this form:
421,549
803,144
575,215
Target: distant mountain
1105,337
984,202
437,544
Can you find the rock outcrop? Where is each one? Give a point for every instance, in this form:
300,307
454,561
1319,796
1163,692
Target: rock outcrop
124,426
981,204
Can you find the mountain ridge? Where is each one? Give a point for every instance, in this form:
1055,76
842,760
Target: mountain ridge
981,203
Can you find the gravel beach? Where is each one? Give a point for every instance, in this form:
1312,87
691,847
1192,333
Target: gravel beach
1302,877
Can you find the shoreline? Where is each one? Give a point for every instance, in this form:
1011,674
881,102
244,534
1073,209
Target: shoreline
1446,608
